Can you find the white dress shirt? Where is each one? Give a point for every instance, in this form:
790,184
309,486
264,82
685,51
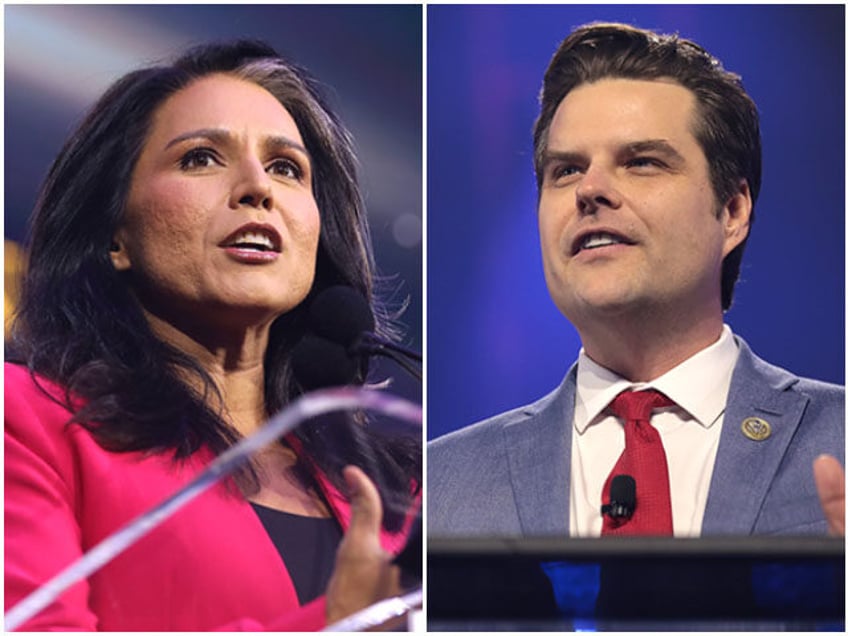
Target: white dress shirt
690,433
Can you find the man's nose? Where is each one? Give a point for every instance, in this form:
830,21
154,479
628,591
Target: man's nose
597,188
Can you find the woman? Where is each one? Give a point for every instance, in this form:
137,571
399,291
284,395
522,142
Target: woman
178,238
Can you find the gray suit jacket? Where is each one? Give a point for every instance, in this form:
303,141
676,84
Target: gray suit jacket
509,475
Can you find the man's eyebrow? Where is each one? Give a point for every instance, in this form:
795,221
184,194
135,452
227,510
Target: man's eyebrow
561,156
660,146
222,136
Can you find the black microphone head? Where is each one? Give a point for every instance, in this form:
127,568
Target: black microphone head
341,314
623,492
318,363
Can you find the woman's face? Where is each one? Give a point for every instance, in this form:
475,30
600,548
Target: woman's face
221,226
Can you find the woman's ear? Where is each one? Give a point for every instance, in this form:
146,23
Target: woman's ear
118,254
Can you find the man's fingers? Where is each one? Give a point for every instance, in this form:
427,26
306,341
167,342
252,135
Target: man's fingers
830,483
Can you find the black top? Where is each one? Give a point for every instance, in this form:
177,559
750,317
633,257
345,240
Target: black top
307,546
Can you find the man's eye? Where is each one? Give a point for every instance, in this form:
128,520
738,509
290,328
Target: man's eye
198,158
645,162
286,168
564,170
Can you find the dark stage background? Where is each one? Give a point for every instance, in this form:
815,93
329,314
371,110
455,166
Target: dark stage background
495,339
59,59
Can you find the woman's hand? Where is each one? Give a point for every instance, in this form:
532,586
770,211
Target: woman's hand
364,573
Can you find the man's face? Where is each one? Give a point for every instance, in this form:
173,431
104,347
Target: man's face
627,215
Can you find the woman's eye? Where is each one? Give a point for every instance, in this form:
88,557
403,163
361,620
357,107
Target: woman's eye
198,158
286,168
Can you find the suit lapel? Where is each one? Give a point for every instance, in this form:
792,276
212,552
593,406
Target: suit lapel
538,448
745,468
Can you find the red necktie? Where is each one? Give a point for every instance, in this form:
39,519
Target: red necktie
644,460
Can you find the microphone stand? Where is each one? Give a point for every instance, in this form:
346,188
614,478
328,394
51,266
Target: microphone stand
383,349
379,613
371,339
369,344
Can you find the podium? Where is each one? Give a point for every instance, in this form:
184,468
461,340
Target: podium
636,583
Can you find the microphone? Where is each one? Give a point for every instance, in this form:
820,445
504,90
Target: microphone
344,326
318,363
622,498
342,316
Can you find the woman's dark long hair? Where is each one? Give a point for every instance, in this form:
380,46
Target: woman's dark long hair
79,325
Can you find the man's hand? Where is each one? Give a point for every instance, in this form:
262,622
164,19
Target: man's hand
364,573
830,483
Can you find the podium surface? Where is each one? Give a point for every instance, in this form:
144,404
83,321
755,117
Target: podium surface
636,583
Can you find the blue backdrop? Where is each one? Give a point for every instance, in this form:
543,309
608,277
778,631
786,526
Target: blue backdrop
495,339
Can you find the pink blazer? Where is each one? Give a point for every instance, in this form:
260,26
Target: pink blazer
211,566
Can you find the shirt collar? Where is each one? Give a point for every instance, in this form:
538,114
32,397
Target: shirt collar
699,385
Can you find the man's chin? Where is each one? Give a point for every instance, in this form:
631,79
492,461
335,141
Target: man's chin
601,304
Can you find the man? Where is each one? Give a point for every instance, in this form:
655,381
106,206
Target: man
647,158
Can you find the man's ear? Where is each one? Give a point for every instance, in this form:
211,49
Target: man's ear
736,217
118,253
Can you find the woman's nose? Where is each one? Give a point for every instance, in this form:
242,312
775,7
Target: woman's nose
252,187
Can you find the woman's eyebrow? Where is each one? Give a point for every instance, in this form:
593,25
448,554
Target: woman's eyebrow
217,135
281,142
222,136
